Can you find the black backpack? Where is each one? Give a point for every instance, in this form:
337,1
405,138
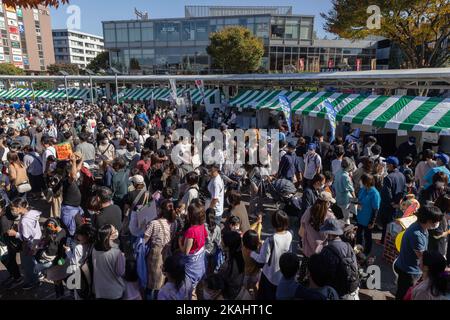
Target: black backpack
346,279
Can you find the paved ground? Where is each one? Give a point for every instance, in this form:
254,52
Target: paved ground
46,291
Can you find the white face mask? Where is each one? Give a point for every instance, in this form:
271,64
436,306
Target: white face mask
440,185
435,226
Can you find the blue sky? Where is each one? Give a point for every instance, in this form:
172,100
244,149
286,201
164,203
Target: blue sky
93,12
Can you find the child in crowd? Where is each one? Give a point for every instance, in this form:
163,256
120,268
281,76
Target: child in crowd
251,242
214,253
132,290
289,267
213,287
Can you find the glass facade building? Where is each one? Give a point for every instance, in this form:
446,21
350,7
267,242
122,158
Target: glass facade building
161,46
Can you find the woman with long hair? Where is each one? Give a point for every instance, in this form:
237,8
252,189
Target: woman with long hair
18,175
233,268
311,222
192,244
158,237
109,265
435,280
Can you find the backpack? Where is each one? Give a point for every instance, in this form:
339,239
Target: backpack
346,279
141,250
202,195
86,291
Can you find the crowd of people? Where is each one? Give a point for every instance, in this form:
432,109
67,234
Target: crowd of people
123,221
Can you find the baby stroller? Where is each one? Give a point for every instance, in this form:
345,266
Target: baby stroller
284,193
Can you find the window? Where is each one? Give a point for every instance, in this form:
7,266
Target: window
278,28
147,31
110,35
188,31
173,31
291,29
262,30
160,31
122,32
305,33
135,32
202,30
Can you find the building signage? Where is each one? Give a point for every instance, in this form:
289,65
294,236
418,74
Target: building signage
19,12
21,28
14,30
14,37
10,8
17,58
17,51
12,22
330,63
11,15
15,44
18,65
2,57
358,64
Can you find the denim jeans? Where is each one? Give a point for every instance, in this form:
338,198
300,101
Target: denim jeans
39,267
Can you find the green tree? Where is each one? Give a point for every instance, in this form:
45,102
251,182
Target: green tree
101,61
70,68
236,50
420,28
42,85
10,69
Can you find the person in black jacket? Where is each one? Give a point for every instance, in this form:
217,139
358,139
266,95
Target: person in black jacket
407,148
311,193
394,188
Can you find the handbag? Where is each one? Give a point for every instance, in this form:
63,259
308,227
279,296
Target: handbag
24,187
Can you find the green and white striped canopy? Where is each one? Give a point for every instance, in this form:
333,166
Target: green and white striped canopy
73,93
162,94
391,112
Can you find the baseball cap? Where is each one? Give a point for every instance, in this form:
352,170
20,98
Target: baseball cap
312,146
291,145
137,179
412,139
392,160
332,226
326,196
443,157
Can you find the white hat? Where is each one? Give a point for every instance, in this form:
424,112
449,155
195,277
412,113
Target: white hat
137,179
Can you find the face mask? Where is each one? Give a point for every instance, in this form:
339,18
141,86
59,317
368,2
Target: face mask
114,235
104,141
440,185
435,226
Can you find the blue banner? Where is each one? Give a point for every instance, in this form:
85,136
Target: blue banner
287,109
331,114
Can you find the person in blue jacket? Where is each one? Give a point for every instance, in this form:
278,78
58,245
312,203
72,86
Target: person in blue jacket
442,161
369,203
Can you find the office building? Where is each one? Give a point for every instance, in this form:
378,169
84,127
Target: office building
178,45
76,47
26,38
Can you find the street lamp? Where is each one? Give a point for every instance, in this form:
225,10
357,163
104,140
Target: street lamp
91,73
115,72
65,74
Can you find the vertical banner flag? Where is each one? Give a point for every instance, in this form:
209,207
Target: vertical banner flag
287,109
201,86
173,86
331,113
301,64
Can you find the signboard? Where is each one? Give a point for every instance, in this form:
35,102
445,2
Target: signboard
19,12
17,58
330,63
15,44
18,65
26,61
10,8
63,151
12,22
430,137
14,37
14,30
21,28
11,15
2,57
1,50
17,51
301,64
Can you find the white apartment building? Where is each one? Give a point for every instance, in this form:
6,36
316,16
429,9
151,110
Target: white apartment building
76,47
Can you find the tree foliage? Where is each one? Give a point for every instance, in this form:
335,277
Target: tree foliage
70,68
10,69
101,61
420,28
236,50
35,3
43,85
